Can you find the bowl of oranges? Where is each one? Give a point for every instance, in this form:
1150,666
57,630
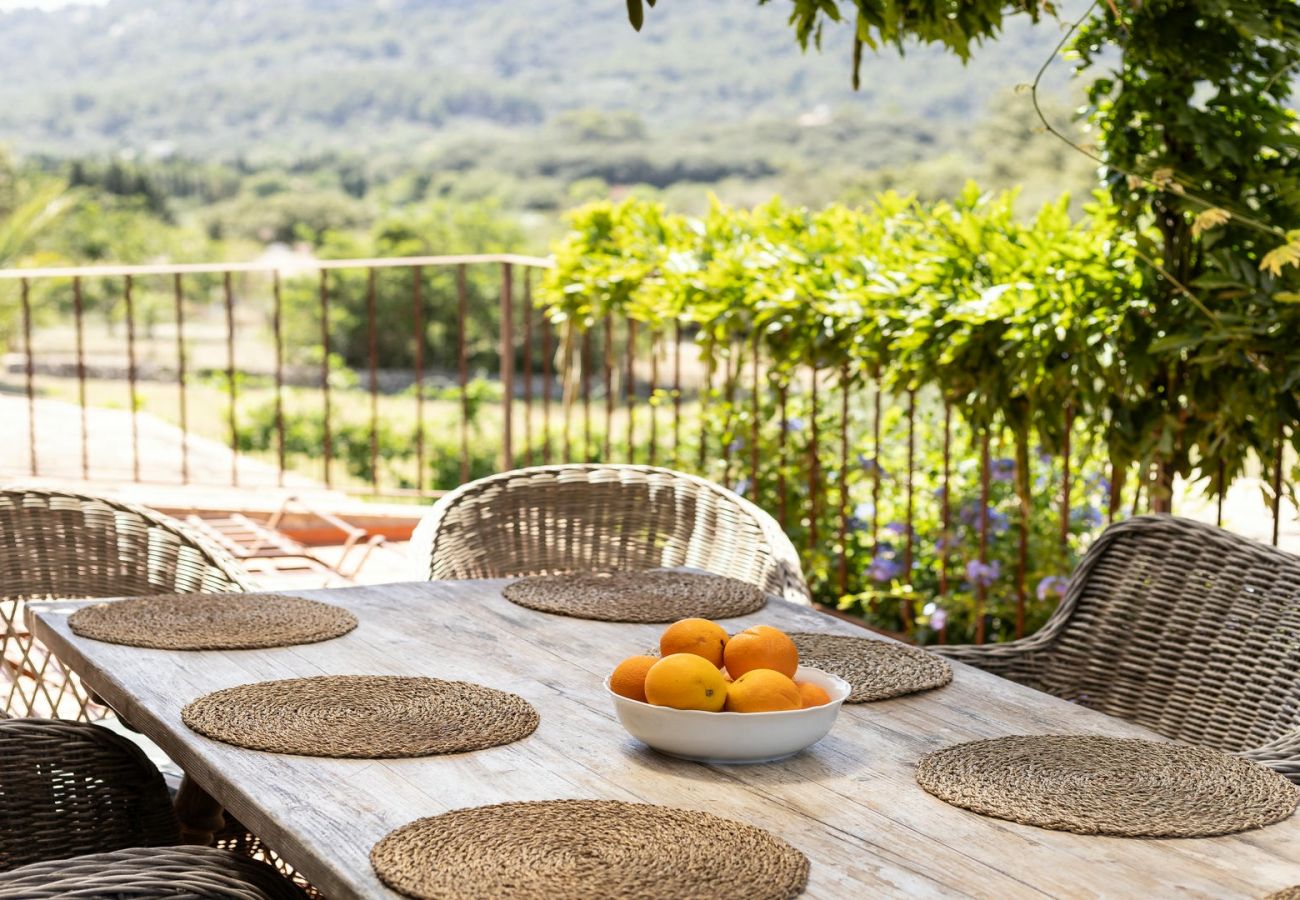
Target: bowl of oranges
718,698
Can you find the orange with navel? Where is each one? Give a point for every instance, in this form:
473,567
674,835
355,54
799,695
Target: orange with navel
761,647
812,695
698,636
628,679
763,690
685,681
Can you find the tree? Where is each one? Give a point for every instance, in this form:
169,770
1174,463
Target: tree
1201,157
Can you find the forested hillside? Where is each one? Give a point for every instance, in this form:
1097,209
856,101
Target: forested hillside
300,77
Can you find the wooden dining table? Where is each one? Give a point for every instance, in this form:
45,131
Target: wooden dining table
850,802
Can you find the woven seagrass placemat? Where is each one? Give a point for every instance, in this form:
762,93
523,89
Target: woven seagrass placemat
1291,893
637,596
587,848
877,670
1126,787
362,716
212,621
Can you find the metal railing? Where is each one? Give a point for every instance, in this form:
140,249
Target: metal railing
556,383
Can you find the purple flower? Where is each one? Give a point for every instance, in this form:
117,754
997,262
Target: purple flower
940,493
969,514
853,523
1088,515
938,619
742,486
899,528
1002,469
983,574
794,423
1044,456
946,542
884,569
1053,586
736,445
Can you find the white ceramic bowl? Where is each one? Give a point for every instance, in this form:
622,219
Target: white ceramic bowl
730,737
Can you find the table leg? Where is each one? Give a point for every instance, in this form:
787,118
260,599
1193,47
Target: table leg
199,815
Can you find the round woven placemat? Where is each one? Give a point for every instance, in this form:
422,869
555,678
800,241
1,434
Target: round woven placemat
587,848
1101,785
1290,893
877,670
362,716
212,621
637,596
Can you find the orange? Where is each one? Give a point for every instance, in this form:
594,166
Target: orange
628,679
685,681
812,695
761,647
698,636
763,690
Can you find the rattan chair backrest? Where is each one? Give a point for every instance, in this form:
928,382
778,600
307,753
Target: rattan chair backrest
1184,627
586,517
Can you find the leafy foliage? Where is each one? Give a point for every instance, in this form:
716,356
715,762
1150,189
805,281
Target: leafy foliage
957,304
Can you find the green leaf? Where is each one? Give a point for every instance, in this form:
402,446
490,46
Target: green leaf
636,14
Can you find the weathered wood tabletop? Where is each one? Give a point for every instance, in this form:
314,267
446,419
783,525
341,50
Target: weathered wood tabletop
850,803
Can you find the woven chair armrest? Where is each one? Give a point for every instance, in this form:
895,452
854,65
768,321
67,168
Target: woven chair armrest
1282,755
1021,661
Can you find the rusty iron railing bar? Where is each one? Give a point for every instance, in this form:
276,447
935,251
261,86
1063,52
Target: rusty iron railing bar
731,371
1022,550
677,393
629,392
277,331
652,399
844,479
875,469
372,341
24,291
507,367
1277,482
586,393
754,412
313,265
783,413
327,433
981,590
910,516
78,314
178,296
1117,475
705,401
568,348
231,390
1218,505
417,315
945,512
131,374
814,473
528,366
1065,483
547,387
462,356
607,337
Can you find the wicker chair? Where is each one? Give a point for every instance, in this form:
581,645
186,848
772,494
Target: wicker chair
572,518
177,873
63,545
1180,626
57,544
68,788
